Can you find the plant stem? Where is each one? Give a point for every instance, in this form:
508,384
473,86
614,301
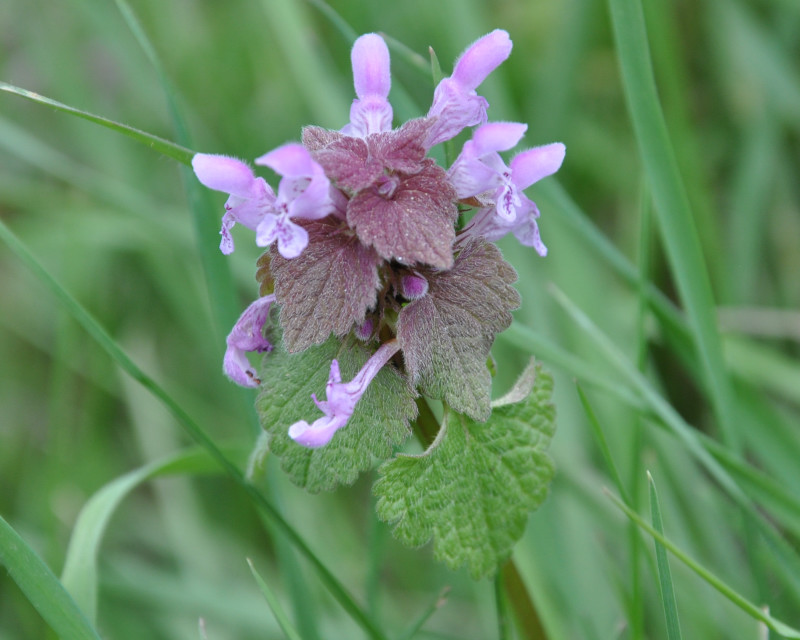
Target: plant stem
509,578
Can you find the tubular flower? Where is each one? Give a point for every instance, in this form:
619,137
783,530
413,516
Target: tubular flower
303,193
456,105
480,171
341,399
371,111
247,335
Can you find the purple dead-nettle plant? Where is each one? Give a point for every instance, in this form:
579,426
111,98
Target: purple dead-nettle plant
382,288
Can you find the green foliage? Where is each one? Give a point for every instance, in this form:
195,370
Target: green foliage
79,576
473,489
42,588
446,335
664,572
274,604
379,423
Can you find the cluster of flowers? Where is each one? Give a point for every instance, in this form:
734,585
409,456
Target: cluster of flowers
364,226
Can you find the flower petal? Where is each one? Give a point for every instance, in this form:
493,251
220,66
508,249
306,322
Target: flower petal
371,74
247,335
292,238
497,136
317,434
534,164
225,174
481,58
291,160
372,114
226,243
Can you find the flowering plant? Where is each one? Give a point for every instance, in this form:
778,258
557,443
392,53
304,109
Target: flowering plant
381,270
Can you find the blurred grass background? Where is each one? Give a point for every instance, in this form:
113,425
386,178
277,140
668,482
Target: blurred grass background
110,219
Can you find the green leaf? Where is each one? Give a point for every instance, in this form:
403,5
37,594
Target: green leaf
166,147
380,421
472,490
664,573
42,587
274,604
446,335
80,567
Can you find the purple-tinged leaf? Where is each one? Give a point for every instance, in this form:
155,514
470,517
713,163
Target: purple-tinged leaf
327,289
447,334
402,150
316,138
348,162
411,221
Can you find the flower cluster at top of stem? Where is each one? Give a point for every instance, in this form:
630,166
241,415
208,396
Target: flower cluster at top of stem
363,238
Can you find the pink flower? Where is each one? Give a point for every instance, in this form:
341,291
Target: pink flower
303,193
341,400
371,111
480,171
250,197
456,105
247,335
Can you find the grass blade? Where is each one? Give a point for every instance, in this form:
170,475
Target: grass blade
280,615
658,405
541,346
664,574
195,432
434,606
638,394
690,438
42,588
603,445
170,149
309,66
79,576
222,292
740,601
672,206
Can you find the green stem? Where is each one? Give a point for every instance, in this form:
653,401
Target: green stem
517,593
508,578
500,606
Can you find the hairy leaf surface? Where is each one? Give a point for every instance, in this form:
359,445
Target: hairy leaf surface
327,288
446,335
412,221
380,421
473,489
